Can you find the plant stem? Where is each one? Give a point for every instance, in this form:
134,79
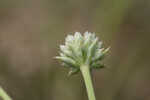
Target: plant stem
85,70
4,95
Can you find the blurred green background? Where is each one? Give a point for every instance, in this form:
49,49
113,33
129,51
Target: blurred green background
32,30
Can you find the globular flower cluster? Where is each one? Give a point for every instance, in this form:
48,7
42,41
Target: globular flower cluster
82,50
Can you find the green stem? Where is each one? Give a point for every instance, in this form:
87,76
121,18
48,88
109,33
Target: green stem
4,95
85,70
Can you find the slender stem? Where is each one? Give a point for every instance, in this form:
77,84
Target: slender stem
4,95
88,81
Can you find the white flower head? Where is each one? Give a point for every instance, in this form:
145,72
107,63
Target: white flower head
82,50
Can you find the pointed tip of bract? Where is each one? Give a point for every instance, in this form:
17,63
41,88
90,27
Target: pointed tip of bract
57,57
69,38
77,35
106,50
86,32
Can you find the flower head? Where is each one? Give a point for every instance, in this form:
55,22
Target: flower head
82,50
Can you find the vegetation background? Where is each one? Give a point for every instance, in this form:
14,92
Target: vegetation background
32,30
